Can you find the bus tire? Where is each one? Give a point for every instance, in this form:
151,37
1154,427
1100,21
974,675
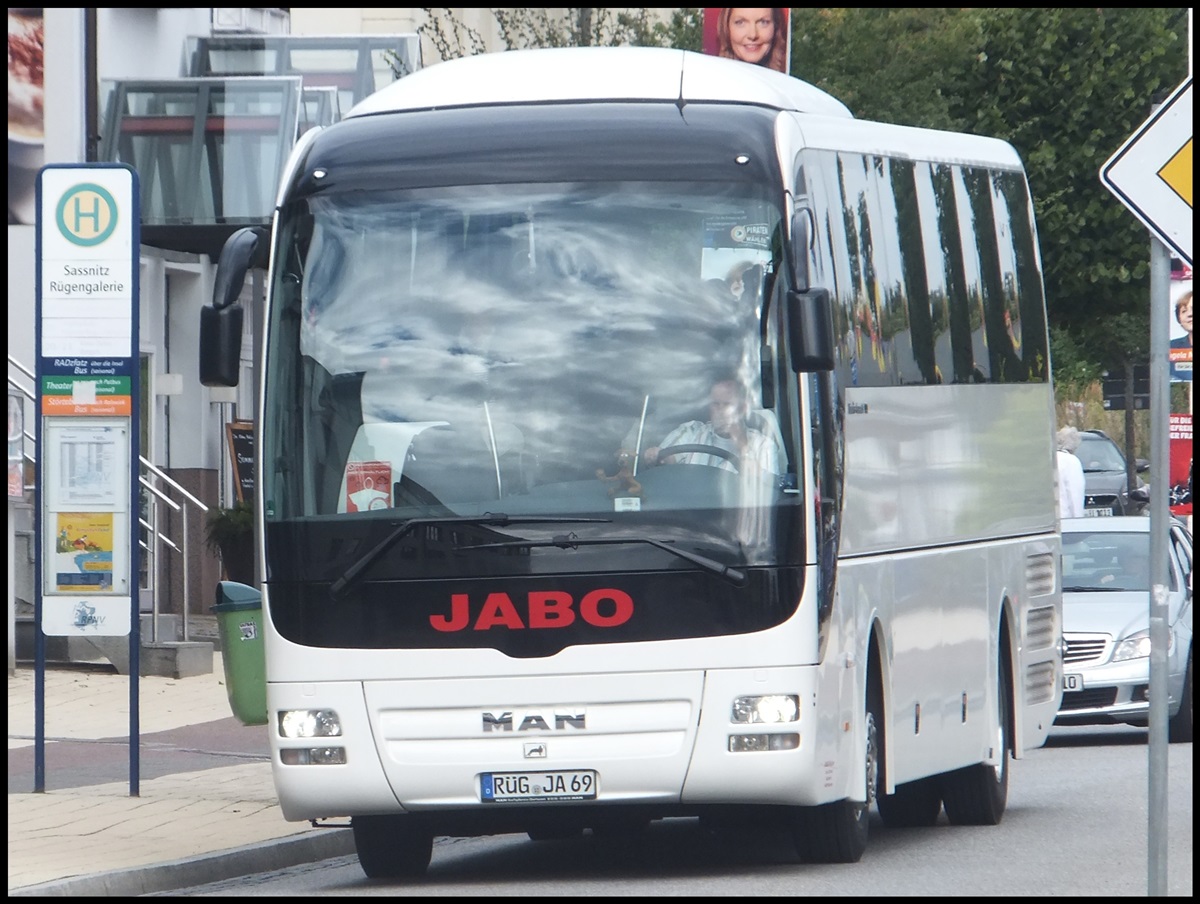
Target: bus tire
977,795
620,829
837,832
554,832
392,847
914,804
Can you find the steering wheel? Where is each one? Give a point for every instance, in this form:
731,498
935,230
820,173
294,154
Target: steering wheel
703,449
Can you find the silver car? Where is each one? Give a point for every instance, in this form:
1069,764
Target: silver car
1106,623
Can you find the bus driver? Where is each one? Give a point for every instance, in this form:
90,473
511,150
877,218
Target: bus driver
727,428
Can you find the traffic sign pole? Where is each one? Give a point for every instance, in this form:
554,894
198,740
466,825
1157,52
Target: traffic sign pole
1151,174
1160,324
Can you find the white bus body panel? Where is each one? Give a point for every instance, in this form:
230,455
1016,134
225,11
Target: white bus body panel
830,133
596,74
658,737
930,550
975,463
653,736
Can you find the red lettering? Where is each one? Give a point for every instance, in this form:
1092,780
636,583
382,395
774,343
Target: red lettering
589,608
498,609
459,616
550,609
546,609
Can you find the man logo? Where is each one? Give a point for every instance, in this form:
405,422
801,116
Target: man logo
533,721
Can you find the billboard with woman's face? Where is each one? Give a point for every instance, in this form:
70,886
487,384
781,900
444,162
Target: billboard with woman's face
1181,325
761,36
26,116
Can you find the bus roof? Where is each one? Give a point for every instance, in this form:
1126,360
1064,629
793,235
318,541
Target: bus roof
569,74
909,142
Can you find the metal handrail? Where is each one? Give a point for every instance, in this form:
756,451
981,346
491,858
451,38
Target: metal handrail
31,441
13,362
195,503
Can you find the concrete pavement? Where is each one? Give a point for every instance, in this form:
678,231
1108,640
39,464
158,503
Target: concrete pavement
205,809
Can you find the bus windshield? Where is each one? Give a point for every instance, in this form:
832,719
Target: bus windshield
521,349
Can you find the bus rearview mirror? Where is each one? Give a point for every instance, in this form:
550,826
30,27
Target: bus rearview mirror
220,345
810,330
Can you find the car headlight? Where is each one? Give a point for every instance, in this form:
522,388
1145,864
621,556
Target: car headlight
1136,646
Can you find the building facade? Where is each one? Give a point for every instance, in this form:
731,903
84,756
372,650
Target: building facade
161,89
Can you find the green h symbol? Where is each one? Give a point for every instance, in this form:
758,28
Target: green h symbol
80,214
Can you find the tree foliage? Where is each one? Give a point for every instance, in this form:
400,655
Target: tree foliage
1067,87
889,65
527,27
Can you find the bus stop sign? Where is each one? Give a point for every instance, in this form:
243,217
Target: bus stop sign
1151,173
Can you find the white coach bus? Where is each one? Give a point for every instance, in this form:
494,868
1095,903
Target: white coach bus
502,593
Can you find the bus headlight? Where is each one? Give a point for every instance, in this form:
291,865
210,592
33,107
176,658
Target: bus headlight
309,723
769,709
313,756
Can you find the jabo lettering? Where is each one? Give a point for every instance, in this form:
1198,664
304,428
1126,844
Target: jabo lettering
602,608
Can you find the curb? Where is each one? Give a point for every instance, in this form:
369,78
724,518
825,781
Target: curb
308,847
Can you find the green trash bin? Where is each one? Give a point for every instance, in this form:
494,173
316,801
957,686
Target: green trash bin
239,623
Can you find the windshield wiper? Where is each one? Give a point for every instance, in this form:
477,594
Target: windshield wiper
1086,589
735,576
338,587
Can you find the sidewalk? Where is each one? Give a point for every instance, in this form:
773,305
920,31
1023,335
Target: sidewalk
205,810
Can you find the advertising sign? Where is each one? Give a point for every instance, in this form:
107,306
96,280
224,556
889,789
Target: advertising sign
1181,464
26,110
762,37
1181,326
83,552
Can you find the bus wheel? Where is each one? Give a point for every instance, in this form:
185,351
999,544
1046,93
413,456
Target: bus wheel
554,832
914,805
977,795
837,832
392,847
620,829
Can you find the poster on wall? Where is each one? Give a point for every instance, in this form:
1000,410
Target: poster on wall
1181,324
759,36
83,552
1181,464
26,116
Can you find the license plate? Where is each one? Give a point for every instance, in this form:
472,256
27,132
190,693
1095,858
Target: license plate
1097,512
503,787
1072,682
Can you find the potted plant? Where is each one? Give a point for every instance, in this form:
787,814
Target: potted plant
230,534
